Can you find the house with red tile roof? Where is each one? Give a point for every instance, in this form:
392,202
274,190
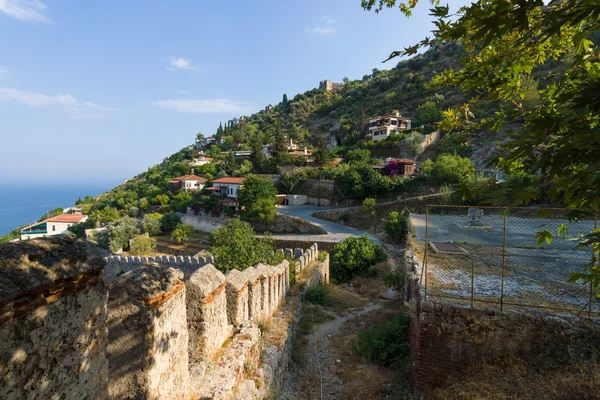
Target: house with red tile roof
188,182
52,226
227,186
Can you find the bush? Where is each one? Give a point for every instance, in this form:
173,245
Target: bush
397,225
169,222
449,168
385,344
182,233
151,224
142,244
236,247
354,255
318,294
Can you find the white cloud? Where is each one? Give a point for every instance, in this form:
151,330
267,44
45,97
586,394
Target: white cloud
326,27
25,10
175,63
324,31
328,20
76,108
204,106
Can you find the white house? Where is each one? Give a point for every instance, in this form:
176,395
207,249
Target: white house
201,160
51,226
188,182
228,187
382,127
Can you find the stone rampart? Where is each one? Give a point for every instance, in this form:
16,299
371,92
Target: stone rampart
53,333
74,323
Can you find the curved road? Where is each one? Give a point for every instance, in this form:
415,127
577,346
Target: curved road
335,232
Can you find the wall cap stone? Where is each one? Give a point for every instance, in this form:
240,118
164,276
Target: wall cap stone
236,280
39,262
207,279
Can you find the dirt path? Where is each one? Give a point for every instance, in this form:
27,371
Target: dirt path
325,362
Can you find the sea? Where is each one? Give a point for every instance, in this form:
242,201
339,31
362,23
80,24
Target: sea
22,204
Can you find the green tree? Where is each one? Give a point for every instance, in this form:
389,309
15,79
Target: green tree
169,222
353,256
369,206
449,168
414,144
236,246
142,245
397,225
321,155
258,197
151,224
286,182
285,99
357,156
181,233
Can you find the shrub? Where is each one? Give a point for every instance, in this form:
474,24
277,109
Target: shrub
397,225
449,168
151,224
354,256
385,344
236,247
169,222
322,256
181,233
318,294
142,244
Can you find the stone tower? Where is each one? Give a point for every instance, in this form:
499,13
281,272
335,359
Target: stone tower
326,85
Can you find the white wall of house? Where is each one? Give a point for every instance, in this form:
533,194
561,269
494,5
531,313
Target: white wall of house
191,185
231,189
52,228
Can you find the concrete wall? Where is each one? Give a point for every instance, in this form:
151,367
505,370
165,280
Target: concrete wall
202,223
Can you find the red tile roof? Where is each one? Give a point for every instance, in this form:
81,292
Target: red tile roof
213,188
236,181
68,218
188,178
230,201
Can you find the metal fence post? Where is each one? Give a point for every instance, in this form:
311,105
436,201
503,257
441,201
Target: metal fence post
503,260
592,270
472,281
424,269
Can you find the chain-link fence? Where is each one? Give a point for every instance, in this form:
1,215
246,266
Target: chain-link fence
490,257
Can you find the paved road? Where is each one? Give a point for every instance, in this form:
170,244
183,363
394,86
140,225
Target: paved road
335,232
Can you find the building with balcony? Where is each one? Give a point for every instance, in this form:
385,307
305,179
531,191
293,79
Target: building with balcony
227,187
188,182
382,127
52,226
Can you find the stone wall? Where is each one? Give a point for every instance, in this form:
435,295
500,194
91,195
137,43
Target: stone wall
202,223
445,336
53,333
118,265
139,328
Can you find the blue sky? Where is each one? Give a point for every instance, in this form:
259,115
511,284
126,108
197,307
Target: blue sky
101,90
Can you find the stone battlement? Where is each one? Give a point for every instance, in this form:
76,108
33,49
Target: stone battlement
150,329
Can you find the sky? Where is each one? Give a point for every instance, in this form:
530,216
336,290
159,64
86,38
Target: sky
102,90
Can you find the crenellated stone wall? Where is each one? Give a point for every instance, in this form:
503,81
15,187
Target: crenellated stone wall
76,324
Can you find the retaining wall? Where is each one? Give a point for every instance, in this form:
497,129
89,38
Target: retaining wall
202,223
444,336
75,324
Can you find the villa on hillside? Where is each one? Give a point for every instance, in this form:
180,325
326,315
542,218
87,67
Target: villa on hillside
382,127
188,182
52,226
227,187
201,160
402,167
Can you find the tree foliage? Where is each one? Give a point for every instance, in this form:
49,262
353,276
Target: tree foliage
354,255
236,247
258,197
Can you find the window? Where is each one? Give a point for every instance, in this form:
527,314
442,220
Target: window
53,228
